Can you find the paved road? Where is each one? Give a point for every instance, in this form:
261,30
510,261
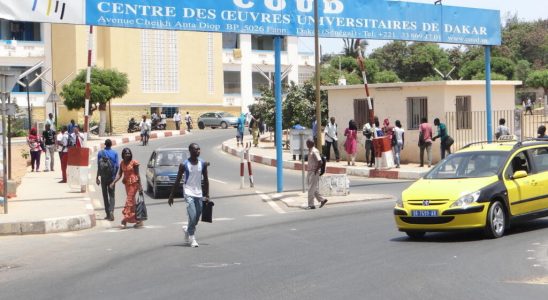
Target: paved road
253,251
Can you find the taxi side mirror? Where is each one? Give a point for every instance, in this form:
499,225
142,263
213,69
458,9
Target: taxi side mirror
519,174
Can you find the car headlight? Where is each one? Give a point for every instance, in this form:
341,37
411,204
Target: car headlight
399,202
466,199
162,178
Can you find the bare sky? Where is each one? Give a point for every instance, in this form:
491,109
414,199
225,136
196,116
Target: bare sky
526,10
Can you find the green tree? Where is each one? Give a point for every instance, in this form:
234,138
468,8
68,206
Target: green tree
523,68
494,76
350,47
386,76
539,79
106,84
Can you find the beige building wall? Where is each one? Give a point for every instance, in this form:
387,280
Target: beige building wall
390,102
200,72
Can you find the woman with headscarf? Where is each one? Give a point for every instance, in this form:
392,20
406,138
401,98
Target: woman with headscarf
254,126
33,140
351,144
240,130
129,168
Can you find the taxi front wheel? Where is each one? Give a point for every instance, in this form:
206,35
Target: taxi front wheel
496,221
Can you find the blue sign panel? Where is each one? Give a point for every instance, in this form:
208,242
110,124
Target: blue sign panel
369,19
373,19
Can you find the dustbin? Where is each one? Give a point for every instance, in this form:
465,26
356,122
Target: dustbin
384,158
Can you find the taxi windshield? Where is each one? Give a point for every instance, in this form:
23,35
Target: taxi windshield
469,165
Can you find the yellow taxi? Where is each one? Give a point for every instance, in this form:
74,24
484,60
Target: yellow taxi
484,185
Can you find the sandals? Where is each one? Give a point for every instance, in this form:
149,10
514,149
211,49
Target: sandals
123,225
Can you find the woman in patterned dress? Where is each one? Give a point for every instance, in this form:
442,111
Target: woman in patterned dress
129,168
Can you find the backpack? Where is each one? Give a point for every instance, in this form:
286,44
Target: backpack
324,164
106,169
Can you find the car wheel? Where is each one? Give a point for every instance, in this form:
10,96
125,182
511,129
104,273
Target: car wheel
149,188
496,221
201,125
224,125
415,234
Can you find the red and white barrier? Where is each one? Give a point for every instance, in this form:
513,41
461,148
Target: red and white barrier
245,157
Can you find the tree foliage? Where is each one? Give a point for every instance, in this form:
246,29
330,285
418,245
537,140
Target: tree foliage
106,84
298,106
539,79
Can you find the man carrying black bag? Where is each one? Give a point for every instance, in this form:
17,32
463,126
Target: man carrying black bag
195,172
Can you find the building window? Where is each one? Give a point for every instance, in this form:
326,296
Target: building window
417,108
361,111
265,42
260,81
232,82
231,40
35,88
305,76
20,31
160,62
464,112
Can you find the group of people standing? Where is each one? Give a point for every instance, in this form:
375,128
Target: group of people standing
396,135
50,142
177,118
255,125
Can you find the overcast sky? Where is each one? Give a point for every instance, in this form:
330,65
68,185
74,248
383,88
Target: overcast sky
526,10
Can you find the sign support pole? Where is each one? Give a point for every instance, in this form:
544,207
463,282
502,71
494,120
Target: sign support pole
278,97
488,93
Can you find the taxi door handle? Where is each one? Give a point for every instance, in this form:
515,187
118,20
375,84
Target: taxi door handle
534,182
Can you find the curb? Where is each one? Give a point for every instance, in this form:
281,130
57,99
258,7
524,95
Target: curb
77,222
300,201
371,173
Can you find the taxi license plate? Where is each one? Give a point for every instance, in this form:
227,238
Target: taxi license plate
424,213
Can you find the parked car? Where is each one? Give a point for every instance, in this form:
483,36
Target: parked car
488,186
217,119
162,169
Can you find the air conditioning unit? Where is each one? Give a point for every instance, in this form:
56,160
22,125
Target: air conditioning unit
237,53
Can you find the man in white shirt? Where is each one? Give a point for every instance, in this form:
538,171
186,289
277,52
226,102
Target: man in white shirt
145,129
177,120
196,190
50,121
313,177
63,144
331,138
188,121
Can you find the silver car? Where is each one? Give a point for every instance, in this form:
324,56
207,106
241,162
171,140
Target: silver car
217,119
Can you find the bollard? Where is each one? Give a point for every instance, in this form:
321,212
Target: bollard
244,155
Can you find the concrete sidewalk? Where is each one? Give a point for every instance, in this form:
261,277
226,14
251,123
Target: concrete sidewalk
265,154
300,200
43,205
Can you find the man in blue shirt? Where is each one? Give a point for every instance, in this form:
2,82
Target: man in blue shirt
70,126
107,167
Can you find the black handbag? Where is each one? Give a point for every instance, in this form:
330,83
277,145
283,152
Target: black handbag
449,141
207,212
141,208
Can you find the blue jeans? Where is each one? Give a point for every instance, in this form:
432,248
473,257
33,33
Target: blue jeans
194,209
397,150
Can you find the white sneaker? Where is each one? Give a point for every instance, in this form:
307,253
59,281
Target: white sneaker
193,243
187,237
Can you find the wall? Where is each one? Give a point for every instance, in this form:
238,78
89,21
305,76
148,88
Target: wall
390,102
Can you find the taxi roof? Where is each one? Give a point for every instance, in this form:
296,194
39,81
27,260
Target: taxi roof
507,145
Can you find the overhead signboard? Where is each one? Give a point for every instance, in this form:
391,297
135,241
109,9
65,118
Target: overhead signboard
368,19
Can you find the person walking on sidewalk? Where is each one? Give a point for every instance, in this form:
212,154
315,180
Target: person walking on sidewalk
107,168
50,120
313,176
331,138
129,168
49,143
188,121
240,130
528,106
196,190
399,134
254,128
425,141
64,143
177,120
34,141
368,133
442,134
145,127
351,143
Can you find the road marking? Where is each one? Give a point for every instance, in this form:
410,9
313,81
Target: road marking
272,204
223,219
219,181
92,188
255,215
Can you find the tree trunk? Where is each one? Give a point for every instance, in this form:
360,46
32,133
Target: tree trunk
102,119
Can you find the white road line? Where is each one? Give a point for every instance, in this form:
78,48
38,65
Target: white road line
223,219
92,188
219,181
272,204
